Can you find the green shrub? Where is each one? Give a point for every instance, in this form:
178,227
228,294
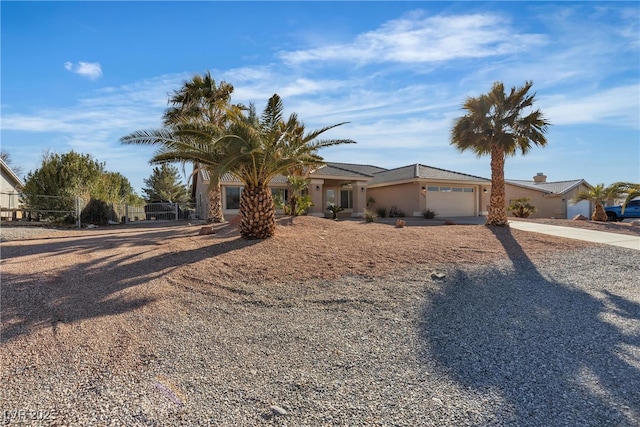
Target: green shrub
428,214
521,208
334,209
382,212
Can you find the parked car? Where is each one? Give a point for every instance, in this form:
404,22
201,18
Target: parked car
632,210
162,209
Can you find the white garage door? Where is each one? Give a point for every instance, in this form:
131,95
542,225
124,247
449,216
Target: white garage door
451,201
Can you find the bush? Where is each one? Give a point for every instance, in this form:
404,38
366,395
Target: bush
369,216
382,212
334,209
521,208
428,214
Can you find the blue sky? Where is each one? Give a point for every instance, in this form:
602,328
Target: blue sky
80,75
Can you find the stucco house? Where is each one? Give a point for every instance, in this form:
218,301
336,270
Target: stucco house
551,199
408,190
10,187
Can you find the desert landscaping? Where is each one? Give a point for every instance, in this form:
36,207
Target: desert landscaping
326,323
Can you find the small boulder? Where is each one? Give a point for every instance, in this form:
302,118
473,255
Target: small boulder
635,223
207,230
580,218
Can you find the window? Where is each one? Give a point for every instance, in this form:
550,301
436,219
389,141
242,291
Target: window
232,196
331,197
346,199
451,189
280,193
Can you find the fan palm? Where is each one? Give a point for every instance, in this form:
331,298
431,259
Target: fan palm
495,124
200,100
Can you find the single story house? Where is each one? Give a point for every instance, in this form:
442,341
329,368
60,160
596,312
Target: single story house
551,199
10,187
408,191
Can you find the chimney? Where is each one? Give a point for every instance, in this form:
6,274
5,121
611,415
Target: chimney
540,177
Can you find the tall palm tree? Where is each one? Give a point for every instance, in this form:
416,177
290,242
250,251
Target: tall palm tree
201,100
496,124
254,149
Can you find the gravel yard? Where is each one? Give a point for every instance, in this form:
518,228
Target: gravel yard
328,323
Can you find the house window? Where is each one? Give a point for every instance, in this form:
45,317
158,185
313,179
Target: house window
280,194
232,197
330,197
346,199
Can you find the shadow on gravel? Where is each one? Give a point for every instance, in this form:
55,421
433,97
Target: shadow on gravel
86,290
541,345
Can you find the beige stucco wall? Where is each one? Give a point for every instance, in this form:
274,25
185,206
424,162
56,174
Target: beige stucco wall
547,206
405,197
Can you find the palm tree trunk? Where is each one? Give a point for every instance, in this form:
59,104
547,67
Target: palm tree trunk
215,213
599,214
257,213
497,204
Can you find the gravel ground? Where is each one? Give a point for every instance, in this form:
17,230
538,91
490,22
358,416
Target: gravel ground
140,328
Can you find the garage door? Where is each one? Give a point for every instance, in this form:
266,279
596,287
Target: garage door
451,201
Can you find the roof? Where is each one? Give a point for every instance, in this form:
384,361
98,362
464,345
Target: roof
230,178
333,169
419,171
11,174
557,187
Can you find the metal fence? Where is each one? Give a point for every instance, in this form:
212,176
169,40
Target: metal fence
80,211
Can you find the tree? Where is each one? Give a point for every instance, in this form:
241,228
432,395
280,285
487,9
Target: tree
200,100
496,124
6,158
254,149
600,194
164,184
62,178
628,190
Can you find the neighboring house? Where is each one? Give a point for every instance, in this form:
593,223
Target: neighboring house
10,187
551,199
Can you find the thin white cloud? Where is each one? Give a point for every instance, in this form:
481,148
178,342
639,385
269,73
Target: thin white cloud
417,39
615,106
90,70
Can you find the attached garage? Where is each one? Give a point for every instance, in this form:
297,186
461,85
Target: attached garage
451,201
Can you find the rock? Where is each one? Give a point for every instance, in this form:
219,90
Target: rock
580,218
436,275
207,230
400,223
277,410
635,223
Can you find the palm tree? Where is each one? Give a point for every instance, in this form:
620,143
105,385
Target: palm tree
201,100
495,124
254,149
600,194
628,190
